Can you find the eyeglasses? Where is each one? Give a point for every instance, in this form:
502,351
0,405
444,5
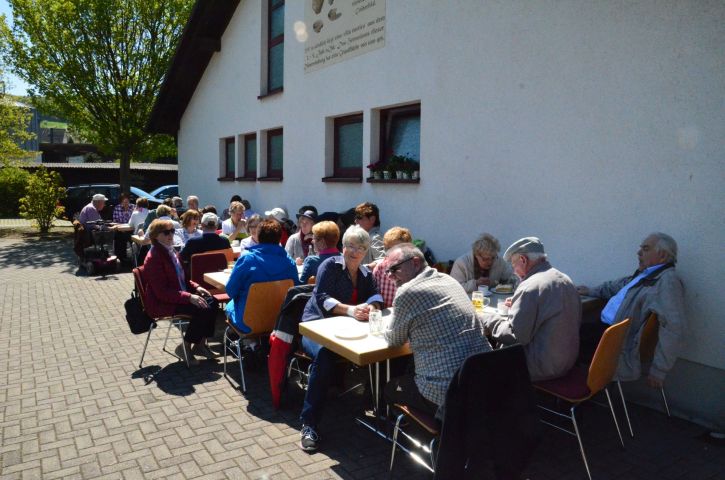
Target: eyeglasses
355,249
167,232
393,269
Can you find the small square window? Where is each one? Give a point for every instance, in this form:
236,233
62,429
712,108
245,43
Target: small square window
274,153
400,133
348,146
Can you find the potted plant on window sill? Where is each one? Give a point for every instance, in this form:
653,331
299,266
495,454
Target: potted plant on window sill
410,169
396,165
377,170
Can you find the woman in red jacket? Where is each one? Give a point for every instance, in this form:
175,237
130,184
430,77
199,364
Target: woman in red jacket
170,293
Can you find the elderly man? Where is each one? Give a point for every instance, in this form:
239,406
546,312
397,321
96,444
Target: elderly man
192,202
434,313
209,239
656,288
92,211
544,315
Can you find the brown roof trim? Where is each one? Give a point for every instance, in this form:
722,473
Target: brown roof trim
169,167
199,41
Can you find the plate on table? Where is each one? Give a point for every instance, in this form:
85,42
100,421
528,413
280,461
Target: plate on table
499,292
349,333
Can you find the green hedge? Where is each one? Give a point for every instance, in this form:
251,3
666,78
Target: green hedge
13,181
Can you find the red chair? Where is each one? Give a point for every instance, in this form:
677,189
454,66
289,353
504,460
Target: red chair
206,262
179,321
581,384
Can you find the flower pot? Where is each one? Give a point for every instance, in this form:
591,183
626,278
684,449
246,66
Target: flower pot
387,175
416,175
399,174
406,175
378,175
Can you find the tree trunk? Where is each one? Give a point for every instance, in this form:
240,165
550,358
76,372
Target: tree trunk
124,171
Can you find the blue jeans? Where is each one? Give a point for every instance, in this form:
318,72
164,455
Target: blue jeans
322,371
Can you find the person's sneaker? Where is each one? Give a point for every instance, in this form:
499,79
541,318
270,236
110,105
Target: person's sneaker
180,353
203,351
308,439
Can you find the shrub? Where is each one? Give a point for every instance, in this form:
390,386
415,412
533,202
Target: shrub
13,181
42,196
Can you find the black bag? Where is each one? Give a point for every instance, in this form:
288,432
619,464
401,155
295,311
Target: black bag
137,319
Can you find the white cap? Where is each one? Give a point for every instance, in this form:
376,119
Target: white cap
277,213
98,197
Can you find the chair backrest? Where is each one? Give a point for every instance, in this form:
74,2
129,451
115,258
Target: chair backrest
648,339
140,285
264,301
312,280
228,253
206,262
606,357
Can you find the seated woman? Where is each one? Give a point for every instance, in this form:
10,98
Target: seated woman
325,236
253,229
226,212
298,245
482,266
344,287
264,262
139,215
235,227
170,293
189,228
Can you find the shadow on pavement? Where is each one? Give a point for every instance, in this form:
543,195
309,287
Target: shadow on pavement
34,251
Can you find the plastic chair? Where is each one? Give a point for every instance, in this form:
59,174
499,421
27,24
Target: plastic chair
205,262
264,301
647,344
179,321
581,384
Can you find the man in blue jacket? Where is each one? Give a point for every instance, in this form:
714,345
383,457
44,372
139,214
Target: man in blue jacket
264,262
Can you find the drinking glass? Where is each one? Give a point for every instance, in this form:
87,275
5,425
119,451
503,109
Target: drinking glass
375,322
477,298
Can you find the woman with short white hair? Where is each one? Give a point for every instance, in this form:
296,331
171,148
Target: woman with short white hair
482,265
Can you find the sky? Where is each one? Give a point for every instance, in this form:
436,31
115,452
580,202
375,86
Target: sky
14,85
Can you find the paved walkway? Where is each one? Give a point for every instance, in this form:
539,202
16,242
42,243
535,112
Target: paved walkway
23,223
73,403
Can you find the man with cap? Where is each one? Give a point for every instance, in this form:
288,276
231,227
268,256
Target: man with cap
92,211
544,314
209,239
299,245
280,215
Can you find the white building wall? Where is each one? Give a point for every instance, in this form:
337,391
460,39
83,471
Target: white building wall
588,124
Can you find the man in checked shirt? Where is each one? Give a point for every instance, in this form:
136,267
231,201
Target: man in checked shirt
434,313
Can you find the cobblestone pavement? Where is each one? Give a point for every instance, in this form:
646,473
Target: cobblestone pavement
74,404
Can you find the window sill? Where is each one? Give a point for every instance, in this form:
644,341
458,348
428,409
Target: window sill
262,96
392,180
269,179
342,179
225,179
246,179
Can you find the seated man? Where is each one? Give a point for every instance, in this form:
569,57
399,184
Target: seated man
544,315
386,285
122,214
92,211
209,240
264,262
434,313
654,287
192,202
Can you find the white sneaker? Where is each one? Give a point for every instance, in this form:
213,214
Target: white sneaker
180,353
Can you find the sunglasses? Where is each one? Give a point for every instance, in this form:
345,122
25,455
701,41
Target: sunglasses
393,269
167,232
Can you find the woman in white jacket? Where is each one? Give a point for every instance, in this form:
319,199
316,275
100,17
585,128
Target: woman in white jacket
482,265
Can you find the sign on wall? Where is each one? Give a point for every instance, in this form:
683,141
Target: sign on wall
341,29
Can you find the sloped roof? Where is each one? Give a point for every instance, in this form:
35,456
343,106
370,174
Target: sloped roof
199,41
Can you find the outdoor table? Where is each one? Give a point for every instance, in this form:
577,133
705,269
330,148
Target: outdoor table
122,227
217,279
364,351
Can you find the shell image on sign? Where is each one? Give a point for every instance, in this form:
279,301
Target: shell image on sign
342,29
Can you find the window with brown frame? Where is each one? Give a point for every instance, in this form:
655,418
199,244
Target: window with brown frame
250,155
274,153
400,132
348,147
275,46
229,158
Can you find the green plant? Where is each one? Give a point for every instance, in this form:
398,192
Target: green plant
43,193
12,187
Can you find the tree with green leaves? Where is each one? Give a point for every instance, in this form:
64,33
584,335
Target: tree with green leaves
97,63
41,202
14,120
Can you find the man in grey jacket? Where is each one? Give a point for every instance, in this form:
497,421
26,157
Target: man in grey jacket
544,314
655,288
